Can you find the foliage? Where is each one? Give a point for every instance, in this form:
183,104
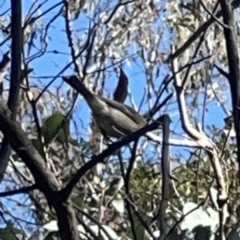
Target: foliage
102,40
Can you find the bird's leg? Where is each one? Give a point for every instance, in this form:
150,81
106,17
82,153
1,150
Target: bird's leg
105,136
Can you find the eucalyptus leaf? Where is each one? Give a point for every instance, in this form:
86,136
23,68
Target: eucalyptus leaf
196,218
9,233
118,204
51,226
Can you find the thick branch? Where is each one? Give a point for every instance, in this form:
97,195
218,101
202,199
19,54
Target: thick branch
44,178
234,80
165,166
233,62
100,158
15,78
24,148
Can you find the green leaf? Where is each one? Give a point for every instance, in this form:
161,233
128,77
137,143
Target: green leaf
56,128
139,229
78,201
9,233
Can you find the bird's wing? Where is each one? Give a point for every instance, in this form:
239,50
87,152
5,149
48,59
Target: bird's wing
130,112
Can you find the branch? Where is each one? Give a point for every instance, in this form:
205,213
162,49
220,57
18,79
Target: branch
24,148
224,73
85,46
127,179
201,29
18,191
15,78
128,198
100,158
67,16
165,166
3,69
233,62
186,125
212,15
234,80
200,136
185,142
44,178
157,106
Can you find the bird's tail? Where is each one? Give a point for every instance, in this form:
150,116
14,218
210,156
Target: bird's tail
78,85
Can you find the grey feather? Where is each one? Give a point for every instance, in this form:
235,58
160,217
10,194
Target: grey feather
114,118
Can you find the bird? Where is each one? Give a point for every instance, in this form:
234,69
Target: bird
114,119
